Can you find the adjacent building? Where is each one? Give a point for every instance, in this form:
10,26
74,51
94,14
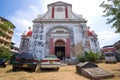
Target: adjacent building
108,48
6,35
117,46
60,32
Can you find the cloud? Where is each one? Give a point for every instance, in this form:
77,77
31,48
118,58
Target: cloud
22,19
107,38
107,35
18,33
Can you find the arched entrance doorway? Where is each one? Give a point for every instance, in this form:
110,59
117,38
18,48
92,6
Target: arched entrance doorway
60,49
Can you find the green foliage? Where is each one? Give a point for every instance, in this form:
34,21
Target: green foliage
5,53
89,56
81,58
112,11
5,26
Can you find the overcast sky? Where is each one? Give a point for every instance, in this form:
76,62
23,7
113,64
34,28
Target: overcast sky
22,12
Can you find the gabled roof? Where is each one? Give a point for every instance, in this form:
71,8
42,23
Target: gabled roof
29,33
89,33
108,49
59,3
107,46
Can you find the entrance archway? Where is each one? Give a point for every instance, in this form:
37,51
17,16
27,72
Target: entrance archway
60,49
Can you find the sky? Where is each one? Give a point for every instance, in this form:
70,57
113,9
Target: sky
22,12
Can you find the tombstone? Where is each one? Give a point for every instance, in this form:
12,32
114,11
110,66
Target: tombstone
92,71
80,66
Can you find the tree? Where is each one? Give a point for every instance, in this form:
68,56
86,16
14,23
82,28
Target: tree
5,53
5,26
112,12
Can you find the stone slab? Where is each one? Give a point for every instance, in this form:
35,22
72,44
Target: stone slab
96,73
92,71
87,65
80,66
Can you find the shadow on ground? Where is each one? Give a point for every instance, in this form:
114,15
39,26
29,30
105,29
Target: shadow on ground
115,69
116,72
9,71
80,75
39,70
19,70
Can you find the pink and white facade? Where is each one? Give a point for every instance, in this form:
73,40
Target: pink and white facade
61,32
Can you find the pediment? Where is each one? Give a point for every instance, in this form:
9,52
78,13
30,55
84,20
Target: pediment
59,3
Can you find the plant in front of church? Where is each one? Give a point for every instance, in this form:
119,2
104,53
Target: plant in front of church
89,56
81,58
92,56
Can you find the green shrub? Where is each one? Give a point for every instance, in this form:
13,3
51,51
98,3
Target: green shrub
89,56
81,58
5,53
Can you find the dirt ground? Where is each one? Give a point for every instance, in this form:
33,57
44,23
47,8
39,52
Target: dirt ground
65,73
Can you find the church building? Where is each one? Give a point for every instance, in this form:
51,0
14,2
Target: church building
60,32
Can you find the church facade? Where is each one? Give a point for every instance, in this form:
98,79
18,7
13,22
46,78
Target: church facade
60,32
